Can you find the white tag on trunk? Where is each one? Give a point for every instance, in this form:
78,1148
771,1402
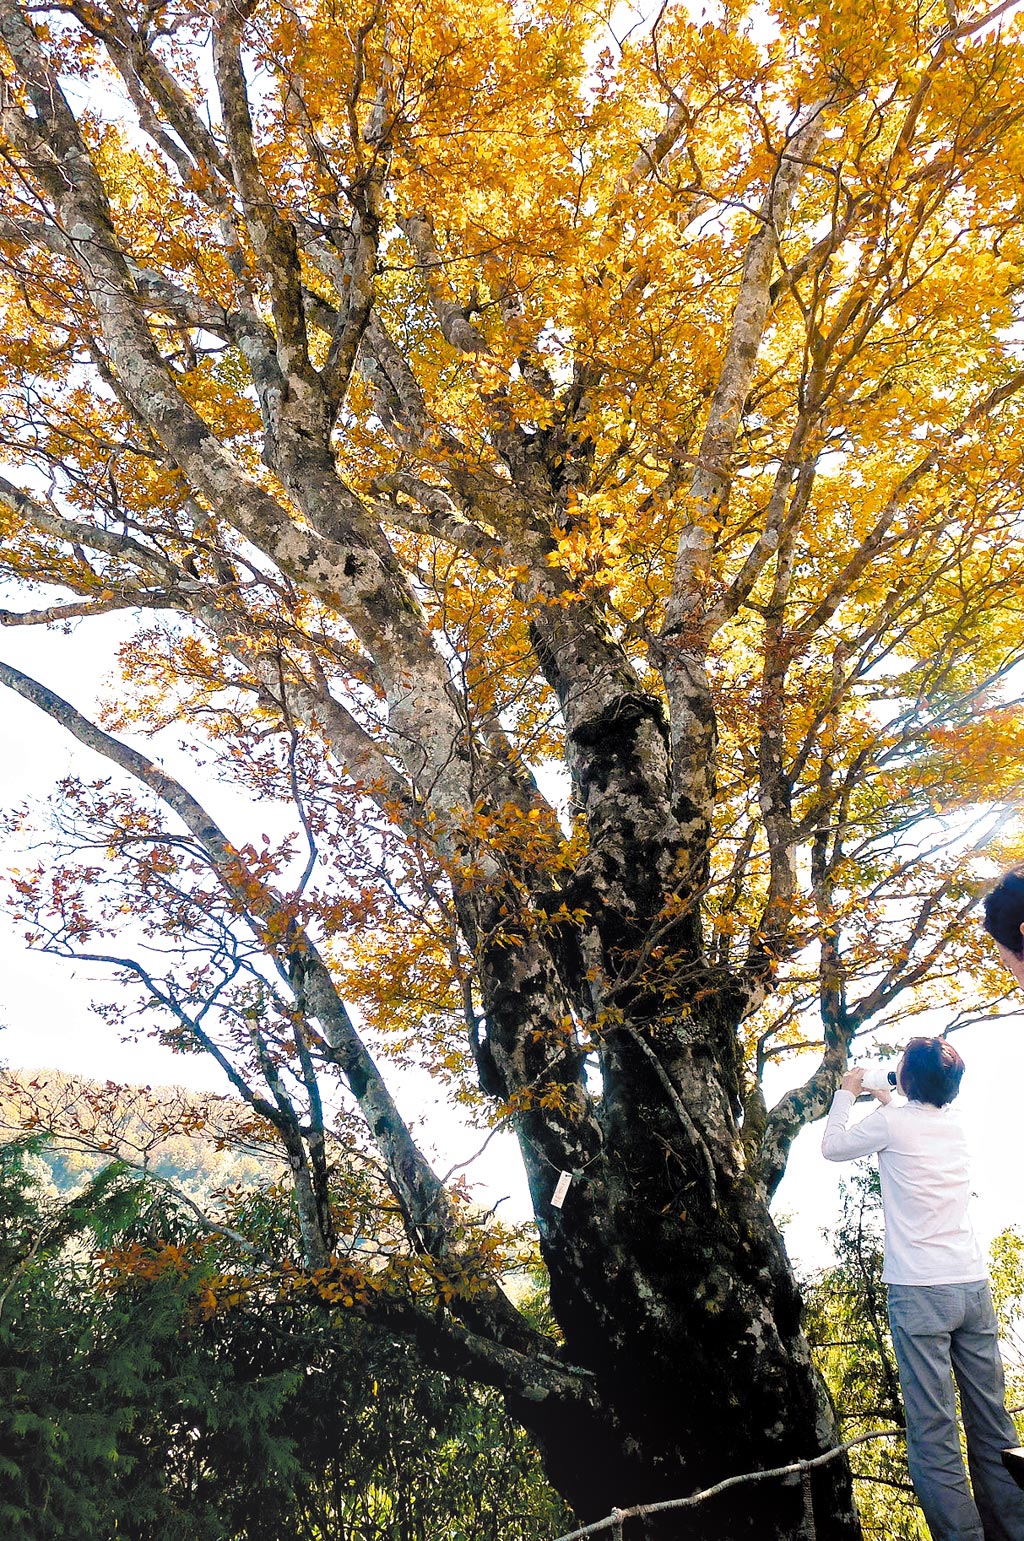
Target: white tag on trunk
561,1189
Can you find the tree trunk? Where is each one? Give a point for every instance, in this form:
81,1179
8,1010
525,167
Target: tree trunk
693,1332
672,1286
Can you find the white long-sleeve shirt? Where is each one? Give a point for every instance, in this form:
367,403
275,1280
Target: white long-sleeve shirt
925,1175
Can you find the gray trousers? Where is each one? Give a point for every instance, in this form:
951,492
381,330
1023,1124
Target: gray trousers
936,1329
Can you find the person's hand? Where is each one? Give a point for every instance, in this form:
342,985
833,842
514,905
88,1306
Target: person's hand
853,1080
884,1096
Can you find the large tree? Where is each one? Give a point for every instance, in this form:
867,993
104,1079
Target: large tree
447,393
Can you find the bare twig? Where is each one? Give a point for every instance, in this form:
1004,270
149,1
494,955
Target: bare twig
795,1469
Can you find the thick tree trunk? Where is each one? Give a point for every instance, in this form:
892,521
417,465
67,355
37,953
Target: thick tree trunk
669,1279
693,1332
672,1286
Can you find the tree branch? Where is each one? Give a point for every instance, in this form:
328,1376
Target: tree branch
426,1206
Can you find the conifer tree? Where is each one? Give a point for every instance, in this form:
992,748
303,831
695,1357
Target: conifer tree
129,1409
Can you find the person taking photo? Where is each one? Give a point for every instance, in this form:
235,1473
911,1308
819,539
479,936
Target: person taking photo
940,1306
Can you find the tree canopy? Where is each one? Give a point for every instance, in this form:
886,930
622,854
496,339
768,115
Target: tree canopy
446,394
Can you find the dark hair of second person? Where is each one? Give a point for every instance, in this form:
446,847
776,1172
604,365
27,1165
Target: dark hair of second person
1004,912
931,1071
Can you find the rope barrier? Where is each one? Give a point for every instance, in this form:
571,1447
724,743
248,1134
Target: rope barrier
802,1469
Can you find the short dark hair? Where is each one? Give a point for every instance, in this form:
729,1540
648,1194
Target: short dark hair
931,1071
1004,912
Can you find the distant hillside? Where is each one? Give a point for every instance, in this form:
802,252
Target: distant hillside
203,1142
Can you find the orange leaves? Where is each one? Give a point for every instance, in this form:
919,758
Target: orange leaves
148,1262
339,1284
481,1259
138,1263
979,759
521,837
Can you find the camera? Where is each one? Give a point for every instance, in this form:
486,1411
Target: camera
878,1079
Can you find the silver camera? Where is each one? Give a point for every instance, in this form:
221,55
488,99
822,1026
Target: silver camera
878,1079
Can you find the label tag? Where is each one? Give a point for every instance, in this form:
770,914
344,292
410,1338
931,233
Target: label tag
561,1189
